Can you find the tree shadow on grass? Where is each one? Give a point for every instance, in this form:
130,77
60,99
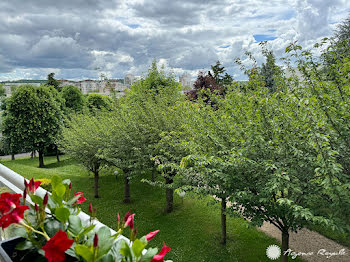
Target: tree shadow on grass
64,162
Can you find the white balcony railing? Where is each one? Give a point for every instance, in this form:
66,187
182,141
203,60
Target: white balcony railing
15,183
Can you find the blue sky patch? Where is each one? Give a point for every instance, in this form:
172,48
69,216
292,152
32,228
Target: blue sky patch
133,26
260,38
224,46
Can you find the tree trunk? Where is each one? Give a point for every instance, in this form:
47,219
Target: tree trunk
32,155
57,154
169,195
223,221
285,245
41,158
126,189
96,184
12,156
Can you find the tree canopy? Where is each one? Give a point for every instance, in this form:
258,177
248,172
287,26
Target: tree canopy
74,99
32,118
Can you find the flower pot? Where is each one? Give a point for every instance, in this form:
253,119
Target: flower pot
8,250
9,253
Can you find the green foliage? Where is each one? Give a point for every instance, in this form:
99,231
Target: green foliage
99,102
220,75
51,81
32,118
2,92
74,99
84,138
193,218
270,71
142,116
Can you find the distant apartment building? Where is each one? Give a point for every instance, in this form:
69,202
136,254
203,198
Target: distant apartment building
9,86
129,79
186,82
105,87
110,87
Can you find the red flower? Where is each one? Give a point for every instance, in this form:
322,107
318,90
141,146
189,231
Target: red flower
151,235
127,215
46,199
160,257
8,201
81,199
56,246
33,186
95,240
130,221
15,216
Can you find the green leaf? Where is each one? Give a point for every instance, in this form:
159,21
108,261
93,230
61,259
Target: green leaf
74,225
84,252
125,249
55,181
105,241
56,199
144,240
151,252
52,227
36,199
107,258
60,190
137,247
104,234
73,200
24,245
115,250
62,214
87,230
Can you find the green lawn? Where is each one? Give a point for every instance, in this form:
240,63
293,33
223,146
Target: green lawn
192,230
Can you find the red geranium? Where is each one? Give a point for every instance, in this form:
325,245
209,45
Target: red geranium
56,246
160,257
8,201
81,199
15,216
151,235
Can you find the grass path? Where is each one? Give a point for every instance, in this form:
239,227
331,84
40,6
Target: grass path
192,230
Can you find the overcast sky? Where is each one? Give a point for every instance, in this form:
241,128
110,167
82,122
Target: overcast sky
79,39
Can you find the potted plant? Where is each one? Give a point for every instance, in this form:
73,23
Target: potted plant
50,229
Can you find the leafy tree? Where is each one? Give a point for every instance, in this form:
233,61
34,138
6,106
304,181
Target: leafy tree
269,70
144,115
32,118
98,102
203,87
218,70
74,99
51,81
210,167
337,53
220,75
84,138
2,92
343,31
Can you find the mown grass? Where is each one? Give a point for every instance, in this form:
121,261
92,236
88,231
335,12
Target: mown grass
192,230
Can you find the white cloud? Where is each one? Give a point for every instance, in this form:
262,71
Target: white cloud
83,38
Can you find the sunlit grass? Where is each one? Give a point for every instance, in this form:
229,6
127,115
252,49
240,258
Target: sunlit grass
192,230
